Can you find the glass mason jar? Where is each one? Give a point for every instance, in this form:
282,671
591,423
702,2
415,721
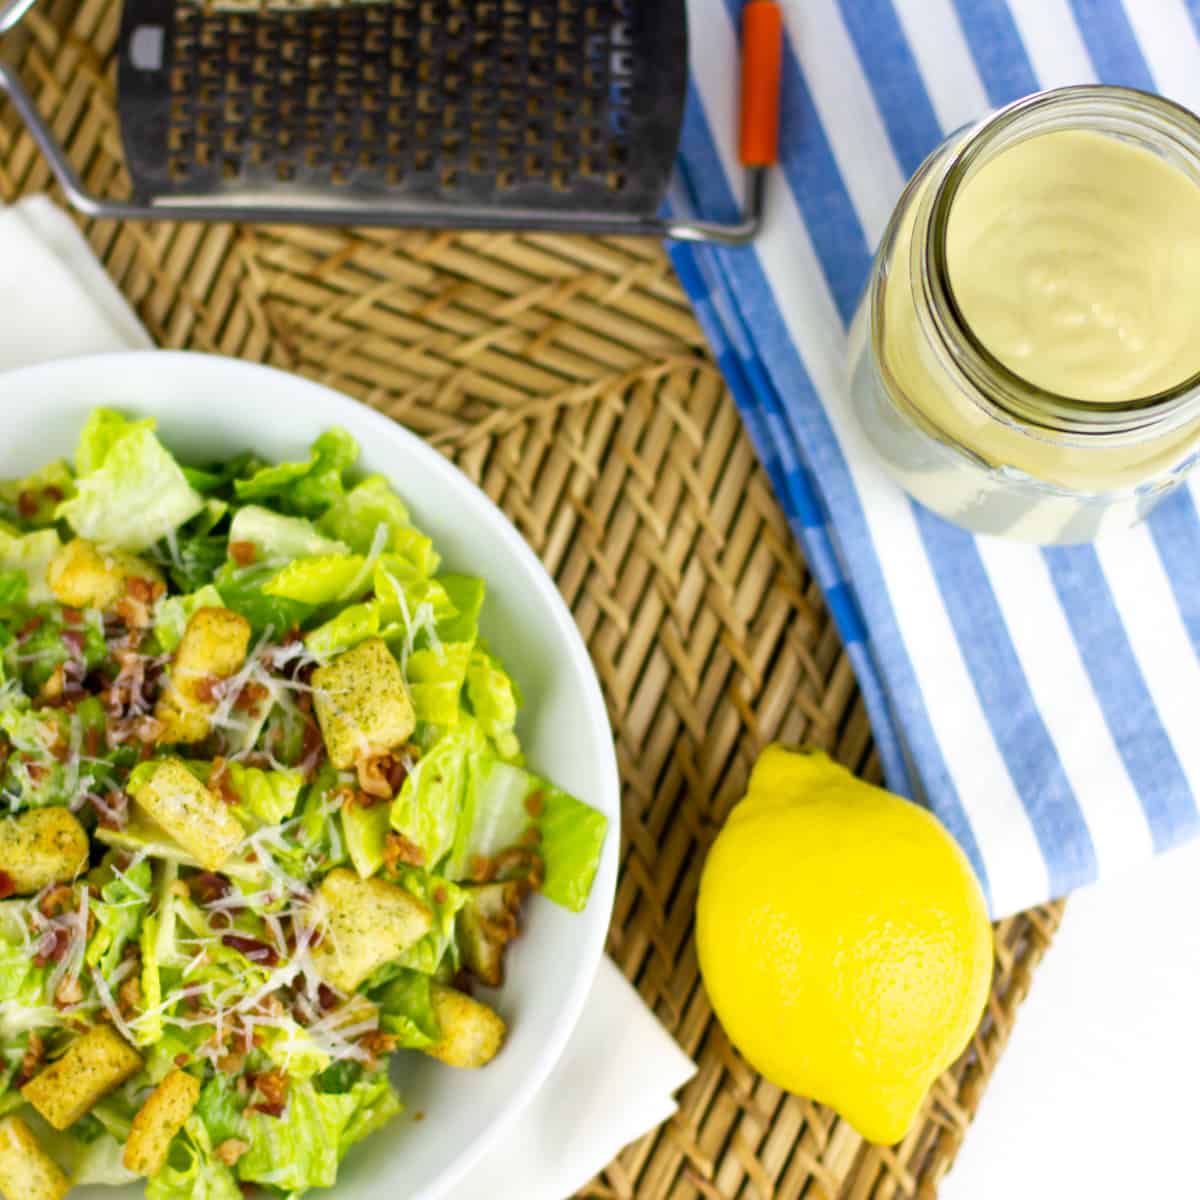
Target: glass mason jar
959,430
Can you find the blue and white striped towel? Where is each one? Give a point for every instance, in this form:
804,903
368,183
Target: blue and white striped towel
1045,703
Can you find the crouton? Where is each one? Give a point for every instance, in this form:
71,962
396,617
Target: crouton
82,576
212,648
471,1033
362,704
158,1121
367,922
176,801
27,1172
93,1065
41,846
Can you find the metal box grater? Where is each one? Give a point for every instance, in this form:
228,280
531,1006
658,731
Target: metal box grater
491,114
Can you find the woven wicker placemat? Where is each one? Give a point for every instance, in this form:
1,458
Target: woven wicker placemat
569,378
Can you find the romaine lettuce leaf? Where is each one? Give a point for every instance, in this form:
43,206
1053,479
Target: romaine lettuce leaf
35,775
443,899
307,487
317,581
435,677
242,590
279,538
301,1148
465,594
357,516
30,555
354,624
406,1009
494,701
192,1171
192,558
268,797
375,1104
365,830
427,809
31,502
130,490
119,911
504,802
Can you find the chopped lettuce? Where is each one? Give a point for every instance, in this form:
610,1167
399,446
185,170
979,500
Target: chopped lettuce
426,810
24,559
192,1171
494,700
31,502
47,763
301,1149
406,1009
308,487
316,581
242,590
356,518
266,797
131,491
443,899
465,594
365,830
278,538
119,913
436,675
352,625
504,802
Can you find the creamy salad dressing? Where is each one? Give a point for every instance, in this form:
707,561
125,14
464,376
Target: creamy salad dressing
1074,259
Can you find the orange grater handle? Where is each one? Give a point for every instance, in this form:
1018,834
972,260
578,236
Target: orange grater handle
762,59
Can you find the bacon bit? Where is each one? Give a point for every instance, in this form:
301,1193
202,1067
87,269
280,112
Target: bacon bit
27,504
230,1150
418,1115
112,812
129,996
482,870
207,887
37,772
250,697
398,849
312,750
34,1050
73,640
68,992
531,837
181,1059
439,894
144,591
272,1086
207,689
463,981
243,553
326,997
57,901
535,804
30,627
52,493
247,1189
72,616
7,886
220,782
91,741
231,1063
252,948
373,775
523,863
376,1043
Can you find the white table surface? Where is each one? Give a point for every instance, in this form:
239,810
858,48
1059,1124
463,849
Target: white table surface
1096,1095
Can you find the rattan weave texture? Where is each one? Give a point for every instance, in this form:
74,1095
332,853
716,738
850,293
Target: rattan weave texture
568,377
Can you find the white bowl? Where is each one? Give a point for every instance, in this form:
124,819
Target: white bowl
209,408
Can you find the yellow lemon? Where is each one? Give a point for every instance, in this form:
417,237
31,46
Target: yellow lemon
843,939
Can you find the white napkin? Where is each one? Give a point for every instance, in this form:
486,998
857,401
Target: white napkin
616,1077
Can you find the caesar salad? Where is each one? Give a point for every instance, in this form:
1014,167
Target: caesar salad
265,820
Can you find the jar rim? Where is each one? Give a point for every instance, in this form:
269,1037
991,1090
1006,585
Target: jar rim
1119,110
